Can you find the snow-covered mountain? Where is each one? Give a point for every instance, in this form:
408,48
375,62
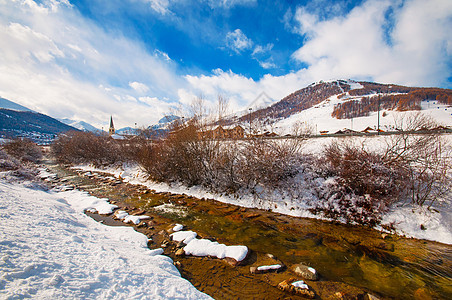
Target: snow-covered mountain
19,121
334,105
162,127
127,130
5,103
81,125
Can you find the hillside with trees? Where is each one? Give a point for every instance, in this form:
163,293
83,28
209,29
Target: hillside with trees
357,99
399,98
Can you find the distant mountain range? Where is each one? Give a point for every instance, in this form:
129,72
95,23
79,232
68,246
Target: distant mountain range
326,105
338,104
5,103
81,125
19,121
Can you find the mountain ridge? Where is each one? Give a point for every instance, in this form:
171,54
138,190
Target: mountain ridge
346,100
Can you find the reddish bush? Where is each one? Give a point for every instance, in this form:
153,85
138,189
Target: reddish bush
24,150
85,147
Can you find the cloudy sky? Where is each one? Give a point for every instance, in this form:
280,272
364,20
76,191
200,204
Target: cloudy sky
140,59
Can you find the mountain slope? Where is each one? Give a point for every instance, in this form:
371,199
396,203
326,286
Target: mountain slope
81,125
5,103
36,126
334,105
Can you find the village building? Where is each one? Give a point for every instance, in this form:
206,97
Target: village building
220,132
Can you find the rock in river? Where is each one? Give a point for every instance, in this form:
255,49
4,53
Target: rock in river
306,272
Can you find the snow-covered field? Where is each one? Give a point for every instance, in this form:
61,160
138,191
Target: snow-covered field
49,249
320,117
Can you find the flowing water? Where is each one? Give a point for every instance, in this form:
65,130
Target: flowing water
346,257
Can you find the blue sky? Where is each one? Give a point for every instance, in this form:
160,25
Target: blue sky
140,59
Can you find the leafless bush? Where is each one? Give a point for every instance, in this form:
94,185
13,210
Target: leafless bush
85,147
364,184
426,157
8,162
337,202
365,172
411,165
23,150
268,162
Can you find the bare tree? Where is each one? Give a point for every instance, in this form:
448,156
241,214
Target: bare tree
425,156
222,108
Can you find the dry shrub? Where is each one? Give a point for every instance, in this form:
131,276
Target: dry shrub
23,150
183,157
8,162
189,157
426,157
365,172
366,182
268,162
85,147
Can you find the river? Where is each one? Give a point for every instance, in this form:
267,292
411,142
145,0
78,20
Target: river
351,260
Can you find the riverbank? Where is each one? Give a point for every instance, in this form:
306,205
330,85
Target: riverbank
49,249
405,219
348,255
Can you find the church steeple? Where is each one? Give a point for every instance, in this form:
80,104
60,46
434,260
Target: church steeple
111,130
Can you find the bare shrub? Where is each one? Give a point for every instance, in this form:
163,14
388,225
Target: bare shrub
364,184
183,157
426,156
365,172
23,150
411,165
86,147
8,162
337,202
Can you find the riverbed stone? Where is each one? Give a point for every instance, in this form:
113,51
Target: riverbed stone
287,286
305,272
255,270
371,297
180,252
251,215
422,293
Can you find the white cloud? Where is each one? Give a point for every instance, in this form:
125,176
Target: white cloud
23,43
241,90
139,87
238,41
57,62
160,6
229,3
267,64
262,49
263,55
162,54
359,44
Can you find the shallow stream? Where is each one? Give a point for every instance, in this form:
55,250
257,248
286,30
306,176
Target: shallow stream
346,257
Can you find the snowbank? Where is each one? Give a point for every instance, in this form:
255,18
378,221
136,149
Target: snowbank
408,219
178,227
126,218
50,250
204,247
184,236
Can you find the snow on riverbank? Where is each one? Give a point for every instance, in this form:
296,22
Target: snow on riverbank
204,247
406,219
49,249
